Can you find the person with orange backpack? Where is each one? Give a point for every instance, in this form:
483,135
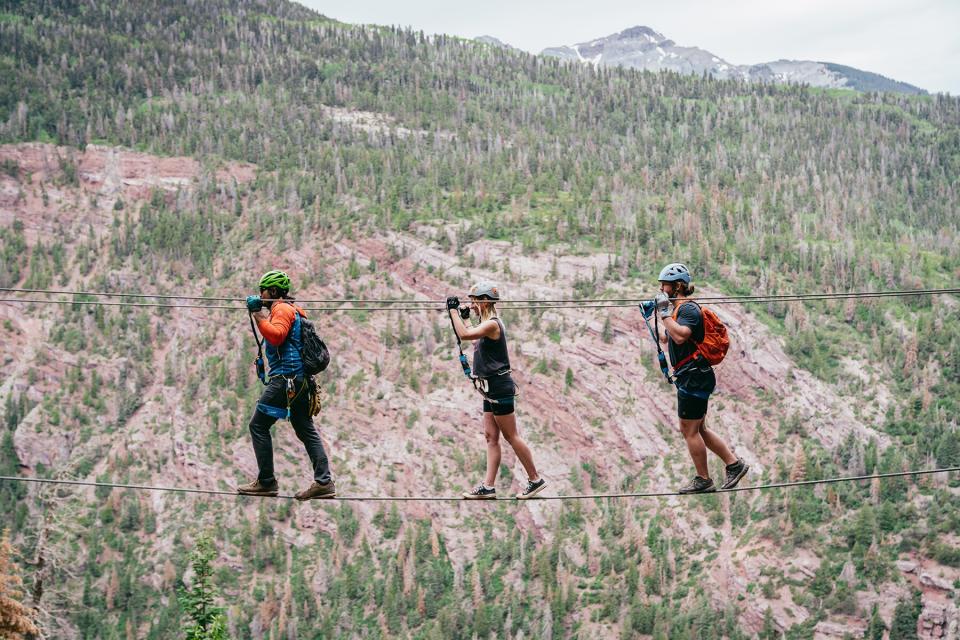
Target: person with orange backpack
696,339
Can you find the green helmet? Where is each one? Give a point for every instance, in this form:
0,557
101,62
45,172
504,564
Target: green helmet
275,278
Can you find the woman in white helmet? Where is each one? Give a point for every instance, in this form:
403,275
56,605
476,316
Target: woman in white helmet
694,379
491,366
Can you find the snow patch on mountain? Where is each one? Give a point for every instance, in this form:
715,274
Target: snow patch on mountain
643,48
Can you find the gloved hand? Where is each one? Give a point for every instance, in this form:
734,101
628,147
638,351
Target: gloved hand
465,313
254,304
647,307
453,302
664,306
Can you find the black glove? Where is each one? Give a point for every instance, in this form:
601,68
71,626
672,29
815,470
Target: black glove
465,313
453,302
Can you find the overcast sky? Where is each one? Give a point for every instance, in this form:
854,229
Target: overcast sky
915,41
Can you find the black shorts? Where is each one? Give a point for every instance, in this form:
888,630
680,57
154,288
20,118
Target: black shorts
504,391
690,408
693,390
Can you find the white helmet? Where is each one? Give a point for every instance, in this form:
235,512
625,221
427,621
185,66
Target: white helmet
673,272
485,289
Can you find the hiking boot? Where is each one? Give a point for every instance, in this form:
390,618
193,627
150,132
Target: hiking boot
316,491
699,485
533,488
257,488
735,473
481,493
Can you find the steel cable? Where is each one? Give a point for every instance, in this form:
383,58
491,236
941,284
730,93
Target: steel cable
504,304
375,498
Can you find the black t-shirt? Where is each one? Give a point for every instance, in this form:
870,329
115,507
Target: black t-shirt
699,380
490,356
688,316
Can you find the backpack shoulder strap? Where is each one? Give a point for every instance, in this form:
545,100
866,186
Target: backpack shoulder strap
676,309
696,352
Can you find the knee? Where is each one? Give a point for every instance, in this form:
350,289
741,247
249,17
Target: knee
305,430
492,438
512,438
689,431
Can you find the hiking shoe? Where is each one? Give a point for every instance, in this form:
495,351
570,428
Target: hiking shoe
699,485
735,473
533,488
257,488
481,493
316,491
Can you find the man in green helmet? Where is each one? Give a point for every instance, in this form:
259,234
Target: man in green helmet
287,393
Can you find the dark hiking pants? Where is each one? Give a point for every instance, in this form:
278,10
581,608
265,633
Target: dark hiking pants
275,396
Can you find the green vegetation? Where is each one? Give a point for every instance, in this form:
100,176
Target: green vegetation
763,188
207,621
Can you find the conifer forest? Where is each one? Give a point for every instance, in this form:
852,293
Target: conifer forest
184,148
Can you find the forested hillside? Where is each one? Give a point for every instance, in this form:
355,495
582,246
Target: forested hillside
185,148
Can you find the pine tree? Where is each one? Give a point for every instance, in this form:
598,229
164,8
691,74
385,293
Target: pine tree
769,631
207,619
875,627
904,623
16,619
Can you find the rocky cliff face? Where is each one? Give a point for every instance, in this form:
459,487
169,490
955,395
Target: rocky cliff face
643,48
399,419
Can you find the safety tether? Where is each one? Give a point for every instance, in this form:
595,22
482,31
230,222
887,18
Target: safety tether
258,363
655,334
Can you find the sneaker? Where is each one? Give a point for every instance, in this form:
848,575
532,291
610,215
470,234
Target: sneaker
481,493
316,491
735,473
699,485
533,488
257,488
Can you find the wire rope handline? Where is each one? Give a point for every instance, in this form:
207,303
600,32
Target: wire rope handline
530,305
166,296
516,303
374,498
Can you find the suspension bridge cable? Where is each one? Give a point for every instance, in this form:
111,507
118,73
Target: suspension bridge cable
165,296
557,303
376,498
160,305
504,304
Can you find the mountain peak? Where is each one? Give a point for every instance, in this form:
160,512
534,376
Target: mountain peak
641,47
639,32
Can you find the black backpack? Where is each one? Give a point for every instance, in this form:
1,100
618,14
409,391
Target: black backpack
313,351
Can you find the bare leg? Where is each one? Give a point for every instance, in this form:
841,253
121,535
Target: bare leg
508,427
492,433
695,445
716,444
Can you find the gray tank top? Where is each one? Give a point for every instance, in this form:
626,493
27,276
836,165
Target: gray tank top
490,356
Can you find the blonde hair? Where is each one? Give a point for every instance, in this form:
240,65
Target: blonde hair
488,309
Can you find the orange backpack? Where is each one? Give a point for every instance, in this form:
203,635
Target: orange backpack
713,348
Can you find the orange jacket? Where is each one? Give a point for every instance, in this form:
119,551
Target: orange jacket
282,315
